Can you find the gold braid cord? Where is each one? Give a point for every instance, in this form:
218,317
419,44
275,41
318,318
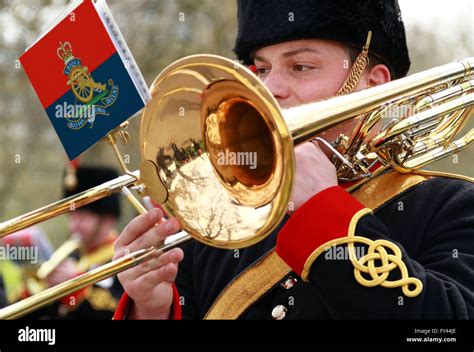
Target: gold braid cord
358,68
386,252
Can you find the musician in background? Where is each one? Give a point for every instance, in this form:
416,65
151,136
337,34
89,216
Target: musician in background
94,227
305,51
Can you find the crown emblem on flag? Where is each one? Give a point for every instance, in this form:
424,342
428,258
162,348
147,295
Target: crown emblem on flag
65,51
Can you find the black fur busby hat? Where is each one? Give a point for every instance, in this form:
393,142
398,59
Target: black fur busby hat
267,22
88,177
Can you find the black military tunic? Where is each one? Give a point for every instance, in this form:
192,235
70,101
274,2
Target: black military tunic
433,225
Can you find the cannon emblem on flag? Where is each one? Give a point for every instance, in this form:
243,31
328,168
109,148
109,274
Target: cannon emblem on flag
81,81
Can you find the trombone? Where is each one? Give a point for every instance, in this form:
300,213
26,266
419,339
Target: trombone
204,105
58,256
36,276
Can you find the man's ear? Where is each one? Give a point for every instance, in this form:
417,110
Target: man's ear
377,75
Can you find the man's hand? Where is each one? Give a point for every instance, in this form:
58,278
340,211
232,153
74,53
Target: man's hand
65,271
150,283
314,173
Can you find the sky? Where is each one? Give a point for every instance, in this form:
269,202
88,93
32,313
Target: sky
440,16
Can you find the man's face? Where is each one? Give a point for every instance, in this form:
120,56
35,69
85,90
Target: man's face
302,71
85,224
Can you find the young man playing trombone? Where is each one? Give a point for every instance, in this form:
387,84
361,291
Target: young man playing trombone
306,51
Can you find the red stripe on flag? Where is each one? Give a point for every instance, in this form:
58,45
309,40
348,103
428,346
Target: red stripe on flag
89,40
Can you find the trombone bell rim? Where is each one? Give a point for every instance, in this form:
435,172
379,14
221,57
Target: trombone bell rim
197,104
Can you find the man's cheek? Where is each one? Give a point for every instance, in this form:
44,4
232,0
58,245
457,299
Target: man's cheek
311,91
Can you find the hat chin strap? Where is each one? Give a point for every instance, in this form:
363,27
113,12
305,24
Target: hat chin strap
358,68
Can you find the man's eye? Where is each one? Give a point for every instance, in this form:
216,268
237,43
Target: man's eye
302,68
262,71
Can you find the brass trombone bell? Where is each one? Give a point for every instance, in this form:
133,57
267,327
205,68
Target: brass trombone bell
203,109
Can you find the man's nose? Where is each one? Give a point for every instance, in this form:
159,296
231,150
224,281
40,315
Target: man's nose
278,86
